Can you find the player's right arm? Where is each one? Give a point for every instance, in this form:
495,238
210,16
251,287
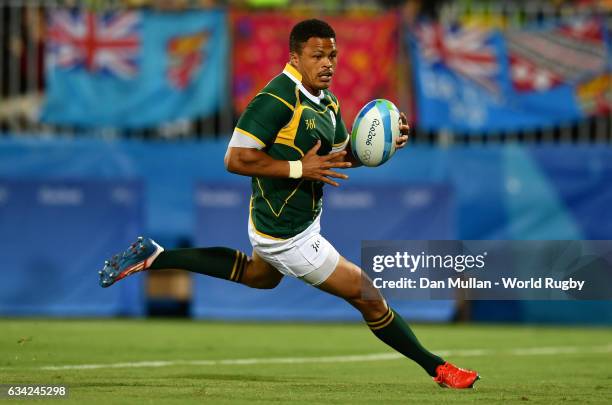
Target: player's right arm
257,128
256,163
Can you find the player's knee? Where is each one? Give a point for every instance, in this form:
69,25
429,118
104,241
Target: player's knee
260,278
370,308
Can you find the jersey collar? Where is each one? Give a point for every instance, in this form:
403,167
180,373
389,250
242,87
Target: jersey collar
294,75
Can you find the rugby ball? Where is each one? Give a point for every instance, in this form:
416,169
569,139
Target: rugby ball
374,132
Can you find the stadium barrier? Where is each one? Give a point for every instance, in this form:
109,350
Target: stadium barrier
494,192
55,234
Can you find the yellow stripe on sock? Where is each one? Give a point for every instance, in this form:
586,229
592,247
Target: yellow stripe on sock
231,277
239,265
242,267
384,325
381,321
235,273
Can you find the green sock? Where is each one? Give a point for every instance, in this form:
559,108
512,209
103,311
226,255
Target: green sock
392,330
219,262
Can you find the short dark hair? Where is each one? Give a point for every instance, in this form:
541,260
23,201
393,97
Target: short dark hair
306,29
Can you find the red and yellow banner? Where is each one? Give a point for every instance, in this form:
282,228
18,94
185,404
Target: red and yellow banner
367,57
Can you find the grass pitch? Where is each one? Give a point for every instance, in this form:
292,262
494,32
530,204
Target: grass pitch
102,362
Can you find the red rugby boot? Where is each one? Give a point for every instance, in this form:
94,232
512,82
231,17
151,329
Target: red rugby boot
450,376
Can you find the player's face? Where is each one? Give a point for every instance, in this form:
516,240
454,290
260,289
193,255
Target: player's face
317,63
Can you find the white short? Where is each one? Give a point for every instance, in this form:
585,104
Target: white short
308,255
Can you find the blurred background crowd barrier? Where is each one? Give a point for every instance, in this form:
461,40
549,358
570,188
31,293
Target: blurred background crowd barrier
115,116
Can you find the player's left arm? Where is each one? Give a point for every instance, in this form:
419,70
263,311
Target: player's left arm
400,142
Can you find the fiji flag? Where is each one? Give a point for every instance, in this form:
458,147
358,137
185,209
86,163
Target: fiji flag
472,80
134,69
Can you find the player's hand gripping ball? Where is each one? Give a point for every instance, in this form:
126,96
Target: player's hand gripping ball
374,134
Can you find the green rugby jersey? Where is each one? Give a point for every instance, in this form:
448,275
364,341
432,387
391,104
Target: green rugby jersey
285,121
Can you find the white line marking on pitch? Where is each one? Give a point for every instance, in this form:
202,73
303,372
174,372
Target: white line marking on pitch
533,351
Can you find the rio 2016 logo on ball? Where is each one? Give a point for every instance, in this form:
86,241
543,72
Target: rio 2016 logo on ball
375,130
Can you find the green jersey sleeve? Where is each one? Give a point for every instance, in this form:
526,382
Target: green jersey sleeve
264,117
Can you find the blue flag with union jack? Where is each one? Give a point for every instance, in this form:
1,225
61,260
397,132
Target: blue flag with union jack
473,80
131,69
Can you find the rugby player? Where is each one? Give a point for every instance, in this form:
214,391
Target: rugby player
290,140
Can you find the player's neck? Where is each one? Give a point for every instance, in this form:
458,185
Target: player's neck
306,86
312,91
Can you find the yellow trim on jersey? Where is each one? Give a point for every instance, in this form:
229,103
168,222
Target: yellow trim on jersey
265,235
280,211
253,223
335,106
279,99
293,72
286,136
318,112
336,145
250,135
